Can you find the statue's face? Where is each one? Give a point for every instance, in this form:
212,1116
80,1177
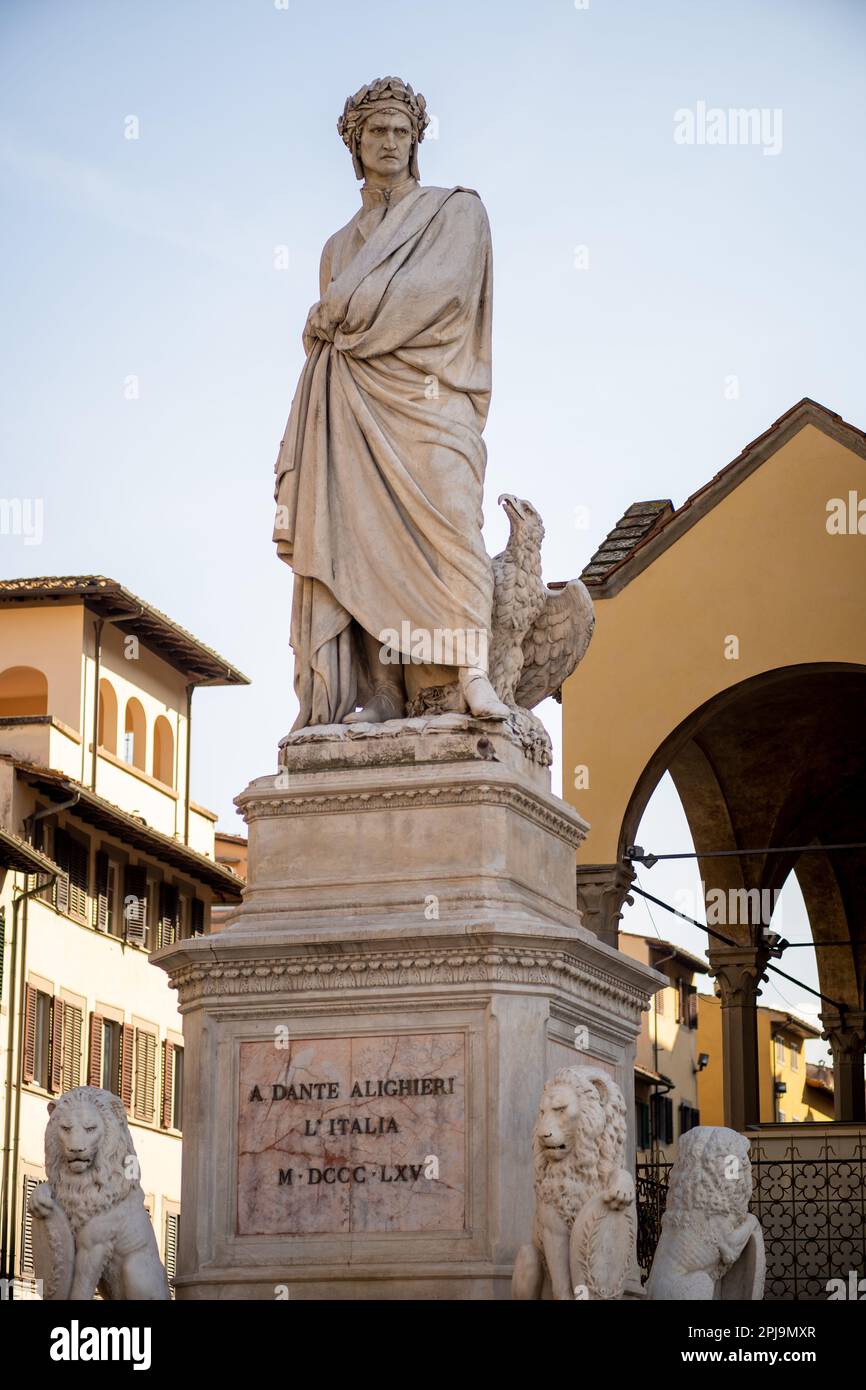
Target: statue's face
386,144
81,1130
557,1117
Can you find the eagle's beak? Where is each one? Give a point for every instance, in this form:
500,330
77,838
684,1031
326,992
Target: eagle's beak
512,505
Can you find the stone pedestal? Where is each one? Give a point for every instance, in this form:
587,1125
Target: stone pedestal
368,1039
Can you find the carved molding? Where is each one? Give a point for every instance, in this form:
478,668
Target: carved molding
282,803
398,969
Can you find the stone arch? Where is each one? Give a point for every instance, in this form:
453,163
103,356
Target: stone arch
777,761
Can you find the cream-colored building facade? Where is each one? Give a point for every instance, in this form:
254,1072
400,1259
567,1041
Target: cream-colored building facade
103,857
666,1056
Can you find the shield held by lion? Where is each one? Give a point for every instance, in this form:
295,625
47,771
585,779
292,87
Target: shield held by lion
91,1231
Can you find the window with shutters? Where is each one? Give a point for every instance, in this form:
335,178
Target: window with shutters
172,1086
38,1011
153,909
172,1235
689,1117
135,904
660,1001
642,1127
73,1027
177,1088
687,1004
145,1075
127,1060
168,914
196,921
110,1054
2,948
27,1267
108,895
71,887
663,1119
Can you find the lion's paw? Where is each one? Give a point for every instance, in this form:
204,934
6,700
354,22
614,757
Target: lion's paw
620,1193
41,1201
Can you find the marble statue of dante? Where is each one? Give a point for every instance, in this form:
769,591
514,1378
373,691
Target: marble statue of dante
381,470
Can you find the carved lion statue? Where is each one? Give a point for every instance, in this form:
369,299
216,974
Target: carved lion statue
711,1247
585,1222
91,1232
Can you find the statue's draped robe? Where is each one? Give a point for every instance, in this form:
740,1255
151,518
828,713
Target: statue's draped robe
381,469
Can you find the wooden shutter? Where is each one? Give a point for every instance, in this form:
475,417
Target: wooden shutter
94,1066
127,1046
79,859
167,1084
100,902
2,947
145,1074
73,1021
135,903
55,1075
168,899
196,917
29,1051
693,1007
28,1270
172,1231
61,858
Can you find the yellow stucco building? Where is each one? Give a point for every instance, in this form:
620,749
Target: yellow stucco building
730,650
791,1089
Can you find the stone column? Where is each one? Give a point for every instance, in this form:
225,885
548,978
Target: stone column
602,892
739,971
846,1034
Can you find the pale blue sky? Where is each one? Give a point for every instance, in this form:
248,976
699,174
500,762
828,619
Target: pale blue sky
155,258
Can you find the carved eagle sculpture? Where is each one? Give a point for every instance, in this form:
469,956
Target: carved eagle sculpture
538,635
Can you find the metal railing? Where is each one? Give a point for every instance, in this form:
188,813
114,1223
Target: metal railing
811,1206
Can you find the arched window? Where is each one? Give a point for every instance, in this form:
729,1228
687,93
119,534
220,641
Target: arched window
163,751
107,735
135,735
23,690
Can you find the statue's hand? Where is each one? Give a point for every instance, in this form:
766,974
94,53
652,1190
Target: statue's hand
41,1201
316,327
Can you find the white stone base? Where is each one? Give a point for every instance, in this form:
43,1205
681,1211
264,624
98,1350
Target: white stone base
410,922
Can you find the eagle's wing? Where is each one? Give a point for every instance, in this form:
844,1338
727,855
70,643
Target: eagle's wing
555,643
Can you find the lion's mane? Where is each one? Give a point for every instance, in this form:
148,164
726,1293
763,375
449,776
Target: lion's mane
593,1158
104,1183
702,1180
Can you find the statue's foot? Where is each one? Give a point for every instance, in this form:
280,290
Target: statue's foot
480,696
386,703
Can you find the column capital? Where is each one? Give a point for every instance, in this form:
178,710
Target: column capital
844,1030
602,892
739,971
